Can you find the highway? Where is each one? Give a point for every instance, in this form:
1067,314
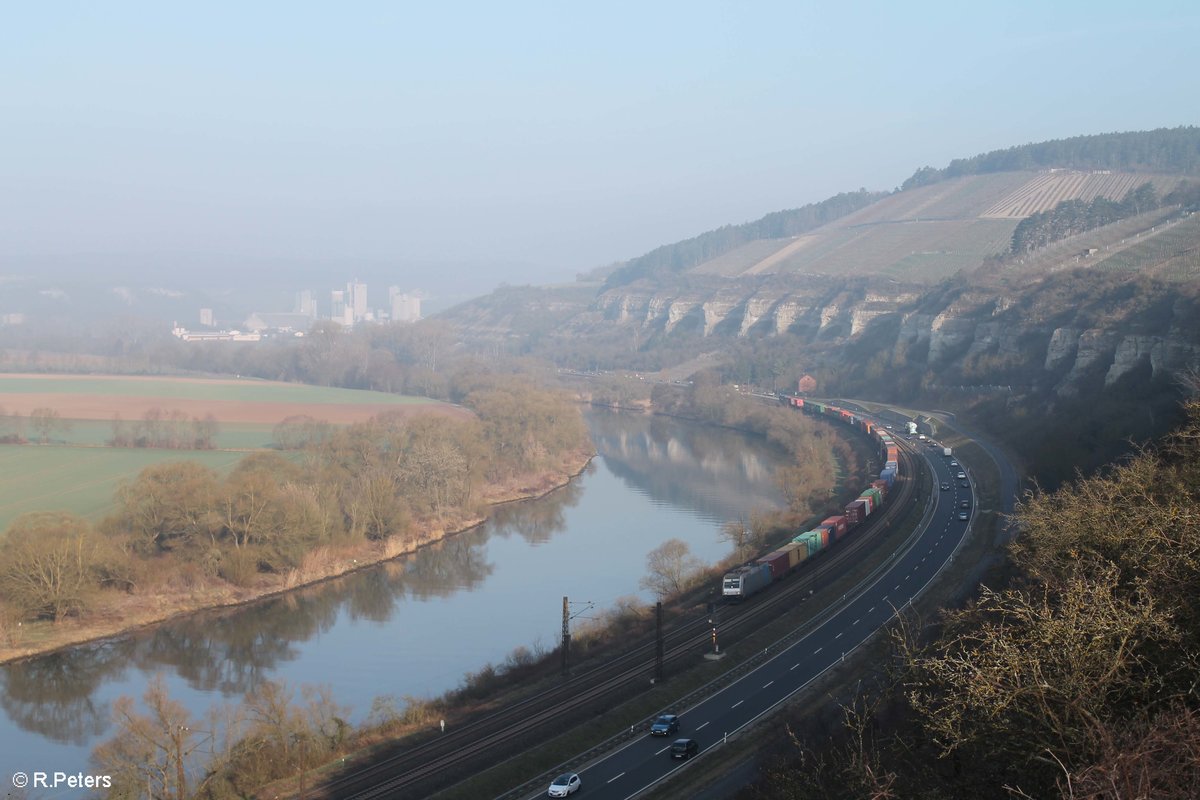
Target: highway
643,763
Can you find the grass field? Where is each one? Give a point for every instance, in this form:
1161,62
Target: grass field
83,480
76,473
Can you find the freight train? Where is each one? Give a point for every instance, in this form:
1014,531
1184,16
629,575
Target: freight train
751,578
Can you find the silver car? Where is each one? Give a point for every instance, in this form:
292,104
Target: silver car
565,784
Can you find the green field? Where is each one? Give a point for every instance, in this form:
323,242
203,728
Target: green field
83,480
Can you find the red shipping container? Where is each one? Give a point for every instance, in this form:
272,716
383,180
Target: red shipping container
825,538
881,486
778,562
838,523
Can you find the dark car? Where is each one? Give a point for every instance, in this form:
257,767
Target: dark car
945,487
684,748
665,725
964,484
964,504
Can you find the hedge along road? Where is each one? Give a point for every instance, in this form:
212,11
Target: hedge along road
645,762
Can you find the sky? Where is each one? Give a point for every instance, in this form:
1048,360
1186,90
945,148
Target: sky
525,141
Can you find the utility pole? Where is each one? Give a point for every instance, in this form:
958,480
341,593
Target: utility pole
567,616
566,634
658,643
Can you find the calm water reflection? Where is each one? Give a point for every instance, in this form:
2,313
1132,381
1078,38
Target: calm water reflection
417,625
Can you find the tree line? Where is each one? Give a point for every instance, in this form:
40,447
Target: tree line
1076,216
386,479
1170,150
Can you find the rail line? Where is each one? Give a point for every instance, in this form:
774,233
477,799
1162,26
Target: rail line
417,770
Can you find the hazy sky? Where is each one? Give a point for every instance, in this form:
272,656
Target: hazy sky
550,133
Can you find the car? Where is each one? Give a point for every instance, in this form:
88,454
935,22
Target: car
964,516
945,487
684,748
665,725
964,484
964,504
961,475
566,784
953,463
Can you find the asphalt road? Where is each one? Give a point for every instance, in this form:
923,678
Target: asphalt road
645,762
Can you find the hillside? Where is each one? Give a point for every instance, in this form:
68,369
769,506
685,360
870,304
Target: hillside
916,296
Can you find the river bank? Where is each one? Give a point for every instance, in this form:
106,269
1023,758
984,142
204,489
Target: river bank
126,614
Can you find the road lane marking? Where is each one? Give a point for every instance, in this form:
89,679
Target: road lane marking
896,588
872,608
765,687
794,666
738,703
855,622
622,775
698,727
819,649
838,636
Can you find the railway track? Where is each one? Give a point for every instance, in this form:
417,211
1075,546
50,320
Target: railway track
417,770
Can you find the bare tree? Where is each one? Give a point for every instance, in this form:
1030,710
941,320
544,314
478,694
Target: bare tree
671,568
45,421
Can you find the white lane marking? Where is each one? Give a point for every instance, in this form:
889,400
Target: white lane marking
622,775
698,727
872,608
765,687
793,667
738,703
855,622
660,752
819,649
896,588
838,636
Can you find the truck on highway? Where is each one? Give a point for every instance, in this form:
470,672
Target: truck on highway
946,452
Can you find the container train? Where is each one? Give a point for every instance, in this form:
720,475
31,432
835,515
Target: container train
751,578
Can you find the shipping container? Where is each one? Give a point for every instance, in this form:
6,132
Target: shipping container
870,504
811,540
876,497
882,486
838,523
797,552
854,513
778,562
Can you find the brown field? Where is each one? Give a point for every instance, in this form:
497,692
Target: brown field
104,407
230,400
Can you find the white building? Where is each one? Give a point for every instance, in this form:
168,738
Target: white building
356,300
404,307
305,303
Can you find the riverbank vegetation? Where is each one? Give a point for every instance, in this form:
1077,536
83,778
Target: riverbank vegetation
184,537
1076,679
280,733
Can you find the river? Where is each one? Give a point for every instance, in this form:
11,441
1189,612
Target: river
413,627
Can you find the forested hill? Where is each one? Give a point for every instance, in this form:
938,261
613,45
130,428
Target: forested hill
1174,151
1169,151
